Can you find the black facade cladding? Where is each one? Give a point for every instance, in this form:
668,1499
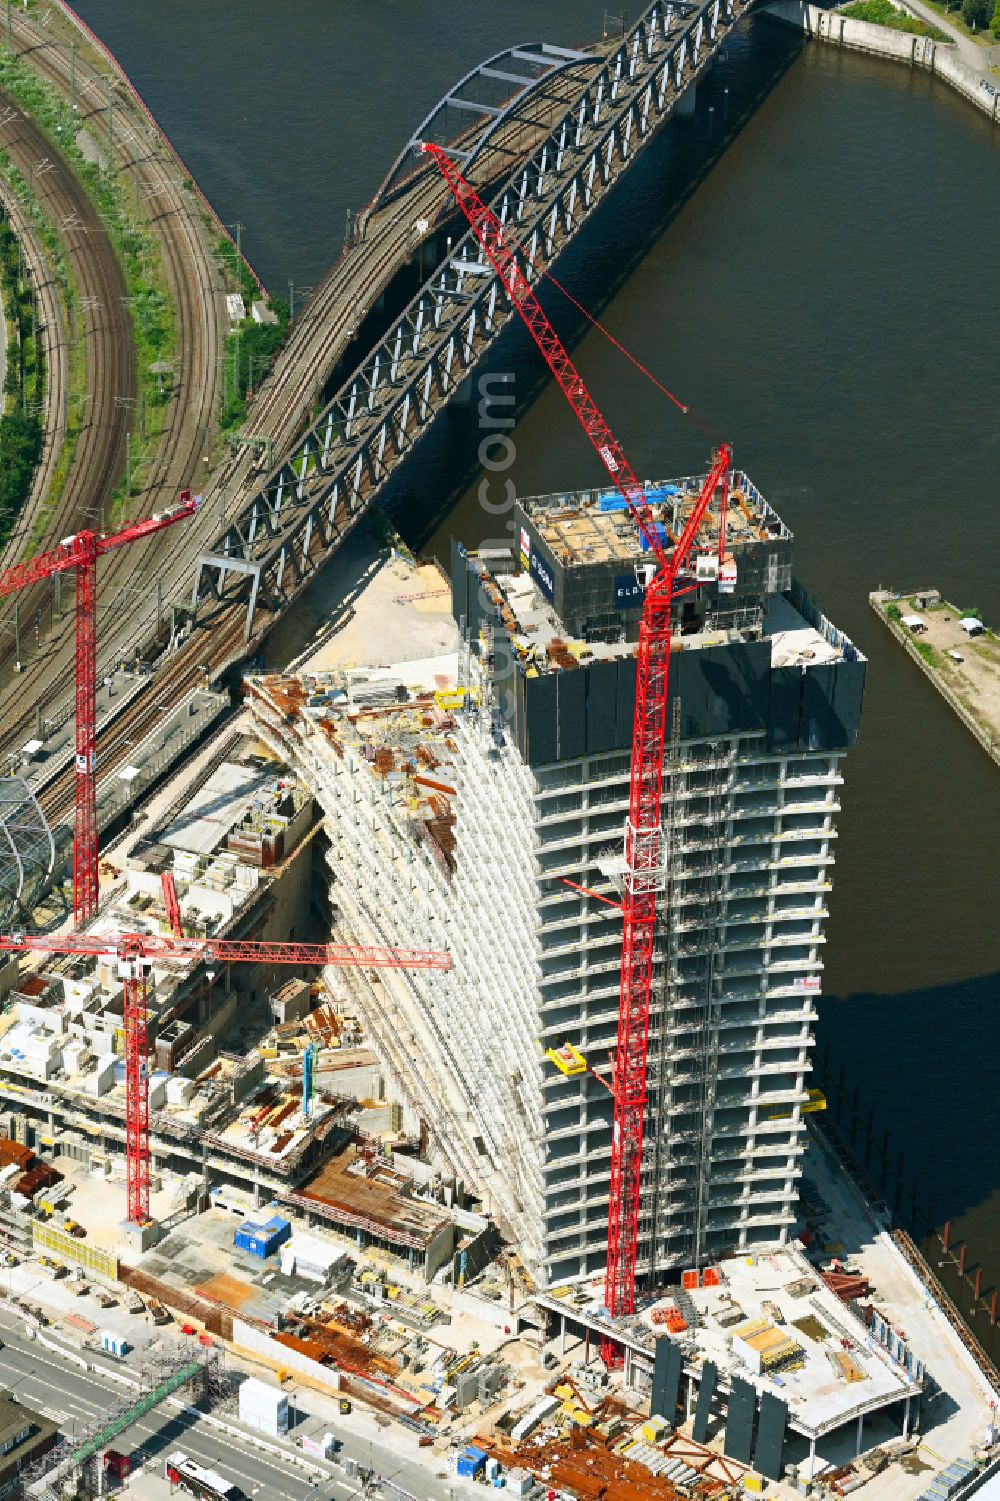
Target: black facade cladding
666,1380
769,1451
725,689
738,1442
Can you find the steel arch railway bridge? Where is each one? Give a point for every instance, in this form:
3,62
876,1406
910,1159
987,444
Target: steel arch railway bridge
543,134
599,108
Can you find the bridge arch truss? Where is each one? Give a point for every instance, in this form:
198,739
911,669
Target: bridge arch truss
269,552
467,121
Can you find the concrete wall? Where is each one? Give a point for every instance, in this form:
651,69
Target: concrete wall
899,46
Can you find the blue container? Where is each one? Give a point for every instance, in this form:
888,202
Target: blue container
661,532
471,1462
262,1240
612,502
663,492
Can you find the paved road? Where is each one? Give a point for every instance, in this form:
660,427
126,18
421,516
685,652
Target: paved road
76,1399
979,58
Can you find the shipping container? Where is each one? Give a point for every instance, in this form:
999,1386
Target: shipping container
472,1462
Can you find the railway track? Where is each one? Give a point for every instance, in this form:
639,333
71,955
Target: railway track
278,413
196,290
103,322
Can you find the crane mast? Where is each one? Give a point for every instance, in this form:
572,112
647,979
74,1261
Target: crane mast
644,865
134,953
79,554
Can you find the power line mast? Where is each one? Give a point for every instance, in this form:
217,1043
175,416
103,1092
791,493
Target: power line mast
645,875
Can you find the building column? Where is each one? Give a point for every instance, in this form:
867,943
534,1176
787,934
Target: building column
860,1440
689,1399
906,1418
812,1457
562,1334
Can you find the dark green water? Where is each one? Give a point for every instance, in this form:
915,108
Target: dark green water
813,268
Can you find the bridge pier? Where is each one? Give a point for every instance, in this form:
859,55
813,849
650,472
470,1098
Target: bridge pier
462,394
686,104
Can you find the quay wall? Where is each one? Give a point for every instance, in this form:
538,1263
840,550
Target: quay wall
899,46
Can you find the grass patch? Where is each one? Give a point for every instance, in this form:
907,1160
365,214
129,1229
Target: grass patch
960,15
150,308
893,612
928,653
883,13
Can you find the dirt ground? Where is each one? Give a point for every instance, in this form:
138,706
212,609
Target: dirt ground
976,679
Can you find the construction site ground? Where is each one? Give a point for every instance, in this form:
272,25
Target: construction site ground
98,1203
370,605
956,1415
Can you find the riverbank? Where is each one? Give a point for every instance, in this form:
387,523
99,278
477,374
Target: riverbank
966,672
915,51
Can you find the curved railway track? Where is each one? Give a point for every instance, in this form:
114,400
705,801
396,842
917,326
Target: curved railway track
106,329
196,290
320,337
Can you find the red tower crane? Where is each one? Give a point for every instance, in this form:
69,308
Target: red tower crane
80,554
644,864
171,903
134,953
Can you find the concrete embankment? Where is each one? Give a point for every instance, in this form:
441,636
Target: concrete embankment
899,46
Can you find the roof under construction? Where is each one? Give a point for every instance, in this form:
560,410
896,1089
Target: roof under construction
585,527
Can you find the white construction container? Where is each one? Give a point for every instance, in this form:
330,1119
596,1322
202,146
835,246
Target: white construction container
263,1407
114,1344
179,1090
75,1057
306,1256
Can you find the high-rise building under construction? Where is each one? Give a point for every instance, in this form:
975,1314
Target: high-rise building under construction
464,792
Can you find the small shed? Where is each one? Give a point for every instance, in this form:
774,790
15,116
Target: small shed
972,626
113,1343
915,624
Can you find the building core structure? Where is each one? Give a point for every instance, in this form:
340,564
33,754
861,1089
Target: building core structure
463,791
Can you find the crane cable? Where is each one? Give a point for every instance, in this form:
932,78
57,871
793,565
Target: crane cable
680,405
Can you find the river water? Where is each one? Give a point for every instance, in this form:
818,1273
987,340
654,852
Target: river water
811,265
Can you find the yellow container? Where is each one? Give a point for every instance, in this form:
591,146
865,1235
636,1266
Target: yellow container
753,1483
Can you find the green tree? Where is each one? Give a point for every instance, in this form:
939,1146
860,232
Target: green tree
977,13
20,442
995,23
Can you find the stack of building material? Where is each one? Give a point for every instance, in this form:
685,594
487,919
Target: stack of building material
847,1285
